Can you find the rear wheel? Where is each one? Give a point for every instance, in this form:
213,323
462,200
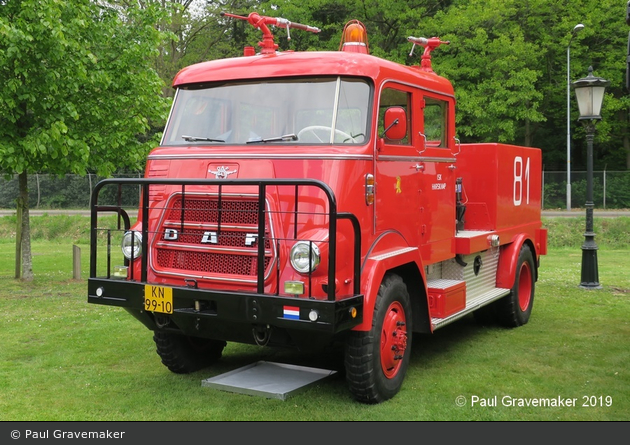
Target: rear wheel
182,354
515,309
376,361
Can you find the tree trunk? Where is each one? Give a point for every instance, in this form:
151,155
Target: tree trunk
528,135
25,238
626,145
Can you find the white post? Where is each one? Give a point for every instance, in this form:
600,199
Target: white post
569,126
576,28
76,262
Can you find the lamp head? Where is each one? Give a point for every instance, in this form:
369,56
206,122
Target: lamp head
589,92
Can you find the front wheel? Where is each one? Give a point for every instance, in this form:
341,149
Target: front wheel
182,354
376,360
515,309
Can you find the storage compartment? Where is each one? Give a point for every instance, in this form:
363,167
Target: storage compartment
501,185
446,297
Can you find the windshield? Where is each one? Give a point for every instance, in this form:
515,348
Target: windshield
300,111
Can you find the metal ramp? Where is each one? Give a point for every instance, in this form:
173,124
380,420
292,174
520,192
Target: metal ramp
268,379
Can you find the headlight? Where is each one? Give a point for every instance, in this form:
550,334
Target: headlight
305,256
131,242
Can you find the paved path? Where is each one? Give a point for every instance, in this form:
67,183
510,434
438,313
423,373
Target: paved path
578,213
35,212
546,213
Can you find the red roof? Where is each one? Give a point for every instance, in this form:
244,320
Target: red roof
310,63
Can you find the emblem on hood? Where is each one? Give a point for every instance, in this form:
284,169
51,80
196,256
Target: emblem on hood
221,172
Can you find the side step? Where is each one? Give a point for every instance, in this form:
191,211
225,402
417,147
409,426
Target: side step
447,295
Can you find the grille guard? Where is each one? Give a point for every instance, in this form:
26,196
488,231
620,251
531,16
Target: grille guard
261,185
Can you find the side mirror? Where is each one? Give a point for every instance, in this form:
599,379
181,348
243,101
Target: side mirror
395,123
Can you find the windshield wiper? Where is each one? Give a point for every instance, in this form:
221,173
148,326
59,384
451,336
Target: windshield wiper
200,138
286,137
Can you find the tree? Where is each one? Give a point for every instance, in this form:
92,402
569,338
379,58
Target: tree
494,67
388,22
603,46
80,93
507,59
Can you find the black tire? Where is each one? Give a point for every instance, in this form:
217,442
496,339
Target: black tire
514,309
376,361
182,354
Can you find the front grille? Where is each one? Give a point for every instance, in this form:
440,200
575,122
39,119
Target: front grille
214,263
206,210
204,236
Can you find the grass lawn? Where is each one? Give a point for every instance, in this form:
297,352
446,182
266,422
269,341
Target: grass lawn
66,360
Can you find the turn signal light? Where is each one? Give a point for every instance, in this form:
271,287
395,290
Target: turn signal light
369,189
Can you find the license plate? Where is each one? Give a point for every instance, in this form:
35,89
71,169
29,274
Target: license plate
158,299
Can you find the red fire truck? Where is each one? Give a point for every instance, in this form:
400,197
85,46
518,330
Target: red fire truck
303,199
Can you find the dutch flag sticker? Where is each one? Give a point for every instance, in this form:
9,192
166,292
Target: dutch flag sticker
291,312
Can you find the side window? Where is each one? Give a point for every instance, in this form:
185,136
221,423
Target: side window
435,122
391,97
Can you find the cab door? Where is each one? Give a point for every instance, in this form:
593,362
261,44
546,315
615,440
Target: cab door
437,166
396,211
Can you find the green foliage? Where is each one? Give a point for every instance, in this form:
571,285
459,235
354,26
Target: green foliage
80,86
81,93
621,197
388,23
554,195
617,193
492,64
507,60
67,192
508,63
611,233
68,229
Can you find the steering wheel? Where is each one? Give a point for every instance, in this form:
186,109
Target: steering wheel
313,129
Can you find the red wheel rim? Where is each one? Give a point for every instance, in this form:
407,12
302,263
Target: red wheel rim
525,286
393,339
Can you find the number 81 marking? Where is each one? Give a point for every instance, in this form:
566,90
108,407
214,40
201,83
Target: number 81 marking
521,181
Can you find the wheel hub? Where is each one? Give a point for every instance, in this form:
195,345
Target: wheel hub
525,287
393,340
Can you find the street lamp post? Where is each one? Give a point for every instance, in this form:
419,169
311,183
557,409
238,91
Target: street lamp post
589,92
576,28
